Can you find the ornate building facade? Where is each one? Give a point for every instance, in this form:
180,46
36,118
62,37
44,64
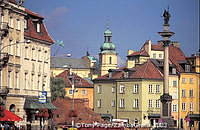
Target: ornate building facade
27,74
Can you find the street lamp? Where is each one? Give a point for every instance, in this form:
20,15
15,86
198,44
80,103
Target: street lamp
27,41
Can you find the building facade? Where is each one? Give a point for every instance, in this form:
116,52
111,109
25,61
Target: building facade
189,100
133,94
83,87
27,73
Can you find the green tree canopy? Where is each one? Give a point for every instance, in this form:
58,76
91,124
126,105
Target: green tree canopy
57,88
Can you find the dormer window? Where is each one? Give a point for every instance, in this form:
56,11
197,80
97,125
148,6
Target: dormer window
187,68
126,73
38,27
173,70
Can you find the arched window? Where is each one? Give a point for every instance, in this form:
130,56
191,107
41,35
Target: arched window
110,60
12,108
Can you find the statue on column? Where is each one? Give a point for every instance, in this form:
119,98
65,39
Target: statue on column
166,16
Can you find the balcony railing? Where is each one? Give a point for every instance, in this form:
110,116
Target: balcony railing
4,58
3,90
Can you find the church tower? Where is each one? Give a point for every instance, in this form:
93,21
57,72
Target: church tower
108,54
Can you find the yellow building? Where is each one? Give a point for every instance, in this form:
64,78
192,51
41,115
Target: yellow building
134,94
27,74
189,100
194,62
83,87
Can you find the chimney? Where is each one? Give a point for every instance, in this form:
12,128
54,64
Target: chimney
147,46
176,44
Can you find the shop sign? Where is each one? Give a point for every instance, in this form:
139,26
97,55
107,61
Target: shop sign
42,97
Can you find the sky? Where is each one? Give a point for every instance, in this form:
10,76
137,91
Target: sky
81,23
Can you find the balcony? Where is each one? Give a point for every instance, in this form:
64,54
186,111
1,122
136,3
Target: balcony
4,58
4,29
3,90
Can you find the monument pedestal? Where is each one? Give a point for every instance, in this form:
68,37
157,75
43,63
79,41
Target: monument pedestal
166,117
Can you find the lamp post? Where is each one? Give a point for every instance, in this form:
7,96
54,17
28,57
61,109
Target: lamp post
72,114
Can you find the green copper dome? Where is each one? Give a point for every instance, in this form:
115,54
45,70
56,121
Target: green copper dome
107,31
107,46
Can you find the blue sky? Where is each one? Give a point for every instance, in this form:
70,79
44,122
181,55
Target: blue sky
81,23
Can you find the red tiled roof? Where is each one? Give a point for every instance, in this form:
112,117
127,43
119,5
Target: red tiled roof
31,31
33,13
12,1
79,82
145,71
84,113
157,47
175,56
139,53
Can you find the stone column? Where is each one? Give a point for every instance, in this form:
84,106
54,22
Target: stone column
166,99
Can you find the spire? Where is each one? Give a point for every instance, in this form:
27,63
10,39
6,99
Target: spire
87,53
108,45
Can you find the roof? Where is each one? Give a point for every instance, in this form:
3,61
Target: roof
9,116
139,53
64,62
145,71
157,47
33,13
84,113
31,30
176,56
78,81
12,1
108,46
33,103
108,32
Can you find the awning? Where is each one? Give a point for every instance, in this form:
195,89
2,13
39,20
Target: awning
106,116
154,116
194,117
9,116
33,103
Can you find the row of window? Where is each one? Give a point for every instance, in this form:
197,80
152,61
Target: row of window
183,107
36,54
83,92
30,52
31,81
160,56
135,104
187,80
191,93
18,24
151,89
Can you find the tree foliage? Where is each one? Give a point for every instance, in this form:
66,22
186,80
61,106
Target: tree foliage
57,88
